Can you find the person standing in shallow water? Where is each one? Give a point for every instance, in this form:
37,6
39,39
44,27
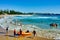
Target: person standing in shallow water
34,32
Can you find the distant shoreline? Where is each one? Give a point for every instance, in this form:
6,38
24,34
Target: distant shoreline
1,16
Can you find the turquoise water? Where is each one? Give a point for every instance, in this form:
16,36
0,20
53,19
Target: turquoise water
39,21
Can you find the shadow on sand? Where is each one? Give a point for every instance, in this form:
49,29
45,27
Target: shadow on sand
9,35
2,33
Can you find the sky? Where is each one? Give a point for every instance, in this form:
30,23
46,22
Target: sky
36,6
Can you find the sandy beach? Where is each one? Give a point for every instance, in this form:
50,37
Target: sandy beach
9,36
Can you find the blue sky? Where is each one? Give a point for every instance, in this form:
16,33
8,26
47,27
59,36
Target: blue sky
42,6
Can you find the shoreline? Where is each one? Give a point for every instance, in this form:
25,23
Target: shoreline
14,15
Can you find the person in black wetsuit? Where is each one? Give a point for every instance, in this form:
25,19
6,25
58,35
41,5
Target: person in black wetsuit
20,32
14,32
7,29
27,31
34,32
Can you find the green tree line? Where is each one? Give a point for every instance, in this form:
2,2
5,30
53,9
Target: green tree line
12,12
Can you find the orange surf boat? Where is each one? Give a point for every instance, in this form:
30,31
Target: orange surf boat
25,34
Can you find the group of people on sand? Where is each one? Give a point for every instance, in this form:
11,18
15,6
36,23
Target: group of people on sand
20,32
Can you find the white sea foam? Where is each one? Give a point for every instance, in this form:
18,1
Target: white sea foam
33,17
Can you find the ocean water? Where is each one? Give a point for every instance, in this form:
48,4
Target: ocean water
39,21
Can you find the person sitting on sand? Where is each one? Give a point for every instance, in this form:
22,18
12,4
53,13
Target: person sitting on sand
20,32
14,32
34,32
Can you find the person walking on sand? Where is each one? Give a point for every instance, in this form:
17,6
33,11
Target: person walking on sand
34,32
